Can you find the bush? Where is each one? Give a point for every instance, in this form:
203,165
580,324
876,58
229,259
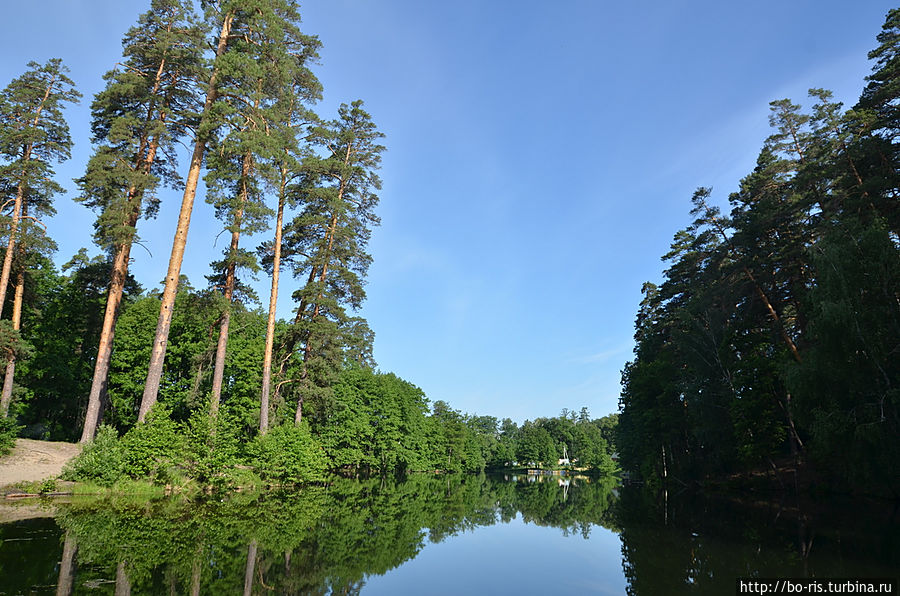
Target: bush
101,461
9,430
148,451
153,449
289,454
211,447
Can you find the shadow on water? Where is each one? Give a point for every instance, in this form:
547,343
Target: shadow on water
331,539
700,544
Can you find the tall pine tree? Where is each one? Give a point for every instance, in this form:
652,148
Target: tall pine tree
327,246
137,121
237,23
33,135
269,62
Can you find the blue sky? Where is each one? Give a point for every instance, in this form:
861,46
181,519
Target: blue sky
540,157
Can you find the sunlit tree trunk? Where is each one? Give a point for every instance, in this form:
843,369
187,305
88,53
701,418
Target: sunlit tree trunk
20,199
118,276
6,396
164,323
250,569
107,334
11,245
195,578
273,301
230,280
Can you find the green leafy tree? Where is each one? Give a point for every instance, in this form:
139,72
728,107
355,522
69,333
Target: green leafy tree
63,315
536,445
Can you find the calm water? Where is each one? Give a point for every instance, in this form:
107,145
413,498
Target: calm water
443,535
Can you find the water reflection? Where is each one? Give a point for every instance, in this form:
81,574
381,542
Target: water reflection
335,539
699,545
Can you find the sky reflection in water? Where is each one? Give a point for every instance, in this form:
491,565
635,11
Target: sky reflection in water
511,558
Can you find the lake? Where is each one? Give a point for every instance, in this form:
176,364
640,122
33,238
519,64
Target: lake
446,534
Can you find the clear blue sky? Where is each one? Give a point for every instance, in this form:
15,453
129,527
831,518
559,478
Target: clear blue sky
540,157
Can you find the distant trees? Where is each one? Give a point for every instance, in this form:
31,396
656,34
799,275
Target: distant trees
775,332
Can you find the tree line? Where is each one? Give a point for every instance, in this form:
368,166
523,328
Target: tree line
775,335
373,424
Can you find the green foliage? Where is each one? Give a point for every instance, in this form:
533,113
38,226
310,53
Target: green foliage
138,118
289,454
536,446
153,449
63,315
188,359
9,430
211,448
149,451
12,346
34,132
846,388
101,461
375,421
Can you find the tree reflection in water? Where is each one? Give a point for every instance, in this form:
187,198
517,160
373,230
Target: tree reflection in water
318,540
329,539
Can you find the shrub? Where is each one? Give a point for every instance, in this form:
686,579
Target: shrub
289,454
9,430
101,461
151,450
211,447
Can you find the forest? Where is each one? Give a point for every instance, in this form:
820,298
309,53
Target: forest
203,384
774,338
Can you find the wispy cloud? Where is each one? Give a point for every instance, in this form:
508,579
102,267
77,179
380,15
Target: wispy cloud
603,355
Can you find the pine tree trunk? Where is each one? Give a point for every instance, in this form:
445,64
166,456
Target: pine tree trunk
230,281
117,278
123,585
6,396
11,243
221,345
161,338
195,577
107,334
298,414
270,322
